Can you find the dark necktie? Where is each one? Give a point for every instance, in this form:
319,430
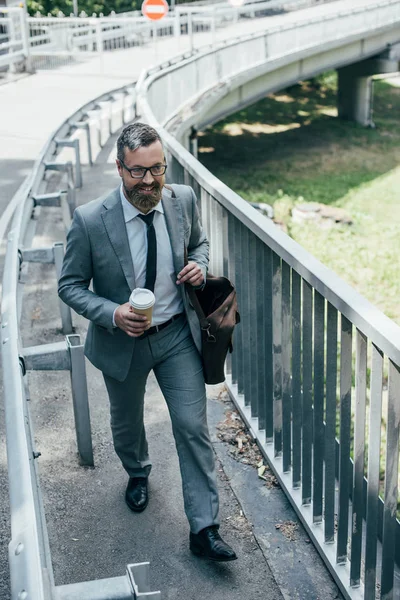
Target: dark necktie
151,263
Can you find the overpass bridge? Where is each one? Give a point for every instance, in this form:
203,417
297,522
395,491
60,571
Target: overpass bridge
286,374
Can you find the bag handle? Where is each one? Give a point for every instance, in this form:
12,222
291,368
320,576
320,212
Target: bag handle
204,324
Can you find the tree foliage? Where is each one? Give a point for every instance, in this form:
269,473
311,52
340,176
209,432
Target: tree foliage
104,7
53,7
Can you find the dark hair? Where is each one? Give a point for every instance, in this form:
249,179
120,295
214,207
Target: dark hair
134,136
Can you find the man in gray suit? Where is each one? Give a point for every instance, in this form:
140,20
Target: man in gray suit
135,237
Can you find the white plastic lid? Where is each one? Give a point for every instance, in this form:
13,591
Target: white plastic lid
141,298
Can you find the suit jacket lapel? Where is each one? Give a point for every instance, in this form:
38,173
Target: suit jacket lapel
174,221
113,219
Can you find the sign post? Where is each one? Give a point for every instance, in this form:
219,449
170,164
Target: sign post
236,4
154,10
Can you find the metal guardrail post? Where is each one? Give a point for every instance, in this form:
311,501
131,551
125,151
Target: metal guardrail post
84,125
78,169
135,585
68,356
53,255
65,310
25,39
190,30
80,400
67,167
139,576
56,199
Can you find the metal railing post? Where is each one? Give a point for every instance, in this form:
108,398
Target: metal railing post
78,168
190,30
86,127
68,356
65,310
25,39
80,400
213,27
177,23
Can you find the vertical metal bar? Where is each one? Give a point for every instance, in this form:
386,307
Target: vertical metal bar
286,379
374,451
207,220
391,483
246,314
80,400
226,266
210,231
269,350
65,310
89,145
345,422
260,318
78,167
307,393
190,31
359,449
25,39
71,188
220,236
330,422
240,291
318,445
277,345
253,325
231,253
296,378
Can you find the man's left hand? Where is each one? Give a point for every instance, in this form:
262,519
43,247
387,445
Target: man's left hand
191,274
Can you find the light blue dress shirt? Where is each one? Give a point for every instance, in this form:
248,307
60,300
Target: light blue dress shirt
168,295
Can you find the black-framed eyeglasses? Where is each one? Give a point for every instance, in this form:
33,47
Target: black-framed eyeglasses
140,172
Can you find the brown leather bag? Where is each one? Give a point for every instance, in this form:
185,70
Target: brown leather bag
216,308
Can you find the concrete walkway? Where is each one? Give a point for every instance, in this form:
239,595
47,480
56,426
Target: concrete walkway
92,533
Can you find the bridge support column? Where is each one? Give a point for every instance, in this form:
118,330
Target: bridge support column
355,97
355,87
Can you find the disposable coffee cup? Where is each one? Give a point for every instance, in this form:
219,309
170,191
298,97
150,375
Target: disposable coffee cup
142,302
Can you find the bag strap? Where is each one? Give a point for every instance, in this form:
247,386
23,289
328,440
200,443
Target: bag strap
204,324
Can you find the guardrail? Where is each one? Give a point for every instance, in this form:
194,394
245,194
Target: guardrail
29,552
46,42
14,44
300,363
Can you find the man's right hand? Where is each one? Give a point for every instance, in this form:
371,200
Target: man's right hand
126,319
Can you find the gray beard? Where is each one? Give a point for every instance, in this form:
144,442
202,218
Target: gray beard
144,202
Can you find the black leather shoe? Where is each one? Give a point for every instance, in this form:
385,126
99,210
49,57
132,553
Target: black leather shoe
136,495
208,543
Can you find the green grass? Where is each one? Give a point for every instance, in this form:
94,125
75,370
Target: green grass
290,148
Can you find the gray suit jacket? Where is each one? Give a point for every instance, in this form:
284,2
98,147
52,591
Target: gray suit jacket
98,251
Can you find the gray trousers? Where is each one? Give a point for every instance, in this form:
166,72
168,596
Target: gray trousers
172,355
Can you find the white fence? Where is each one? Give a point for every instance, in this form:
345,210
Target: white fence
14,45
46,42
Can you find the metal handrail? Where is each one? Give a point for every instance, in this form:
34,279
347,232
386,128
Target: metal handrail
29,553
375,324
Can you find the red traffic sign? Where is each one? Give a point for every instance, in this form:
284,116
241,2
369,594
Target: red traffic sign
154,9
